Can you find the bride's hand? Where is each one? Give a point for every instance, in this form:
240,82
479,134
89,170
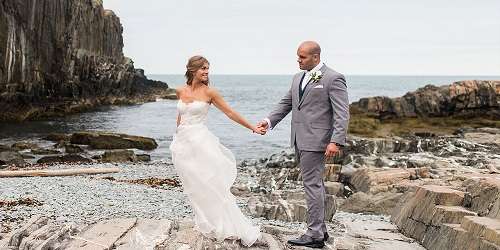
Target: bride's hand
259,130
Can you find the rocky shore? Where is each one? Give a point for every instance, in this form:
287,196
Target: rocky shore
60,57
75,206
432,189
383,182
79,147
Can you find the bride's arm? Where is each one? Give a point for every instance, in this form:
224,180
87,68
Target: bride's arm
222,105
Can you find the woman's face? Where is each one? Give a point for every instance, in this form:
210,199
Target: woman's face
202,73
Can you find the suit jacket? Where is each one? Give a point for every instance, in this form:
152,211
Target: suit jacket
321,116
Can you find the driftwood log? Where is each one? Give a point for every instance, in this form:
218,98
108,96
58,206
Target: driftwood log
57,172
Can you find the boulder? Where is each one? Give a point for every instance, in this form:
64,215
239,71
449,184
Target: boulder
27,156
44,151
11,158
143,157
105,140
68,158
483,138
284,159
73,149
170,95
5,148
381,203
483,193
383,180
334,188
119,156
57,137
24,145
287,205
60,144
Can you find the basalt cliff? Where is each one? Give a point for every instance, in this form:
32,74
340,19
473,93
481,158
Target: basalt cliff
59,57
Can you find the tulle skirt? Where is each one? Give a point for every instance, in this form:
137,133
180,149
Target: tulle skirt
207,171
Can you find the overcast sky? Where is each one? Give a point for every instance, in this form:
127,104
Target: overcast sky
426,37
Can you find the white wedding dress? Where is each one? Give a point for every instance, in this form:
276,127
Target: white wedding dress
207,171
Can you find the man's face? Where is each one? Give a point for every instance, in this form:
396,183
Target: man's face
306,60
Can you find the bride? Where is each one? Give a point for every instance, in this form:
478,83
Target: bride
206,168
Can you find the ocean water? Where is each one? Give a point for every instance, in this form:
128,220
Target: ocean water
253,96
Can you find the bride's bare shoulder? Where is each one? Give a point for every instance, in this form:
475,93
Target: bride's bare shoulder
212,92
179,90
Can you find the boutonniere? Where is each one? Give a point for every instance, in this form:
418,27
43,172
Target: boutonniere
316,76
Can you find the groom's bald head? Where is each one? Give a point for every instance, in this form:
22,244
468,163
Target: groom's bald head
309,55
311,46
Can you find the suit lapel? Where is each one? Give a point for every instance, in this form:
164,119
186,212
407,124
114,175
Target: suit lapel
306,91
296,87
311,85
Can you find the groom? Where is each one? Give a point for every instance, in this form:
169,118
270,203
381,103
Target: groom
320,115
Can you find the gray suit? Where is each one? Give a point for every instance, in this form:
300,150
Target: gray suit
321,116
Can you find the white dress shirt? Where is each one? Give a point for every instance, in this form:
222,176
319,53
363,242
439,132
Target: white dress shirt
303,84
307,77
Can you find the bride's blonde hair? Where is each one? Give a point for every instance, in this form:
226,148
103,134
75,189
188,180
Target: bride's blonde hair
194,64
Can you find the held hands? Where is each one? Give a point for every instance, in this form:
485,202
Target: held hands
259,130
263,126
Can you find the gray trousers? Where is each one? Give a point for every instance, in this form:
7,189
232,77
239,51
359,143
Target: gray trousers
312,167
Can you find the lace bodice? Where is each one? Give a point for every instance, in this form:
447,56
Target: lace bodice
193,113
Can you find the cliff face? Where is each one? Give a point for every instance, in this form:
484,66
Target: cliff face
59,56
465,98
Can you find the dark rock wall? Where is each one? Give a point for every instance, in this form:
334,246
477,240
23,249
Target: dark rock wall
59,56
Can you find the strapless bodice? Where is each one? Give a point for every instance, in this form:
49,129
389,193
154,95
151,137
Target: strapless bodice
192,113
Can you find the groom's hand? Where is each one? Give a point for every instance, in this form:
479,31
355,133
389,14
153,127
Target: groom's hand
258,130
263,125
331,150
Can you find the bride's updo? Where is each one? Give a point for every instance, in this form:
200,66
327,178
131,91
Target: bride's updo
194,64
